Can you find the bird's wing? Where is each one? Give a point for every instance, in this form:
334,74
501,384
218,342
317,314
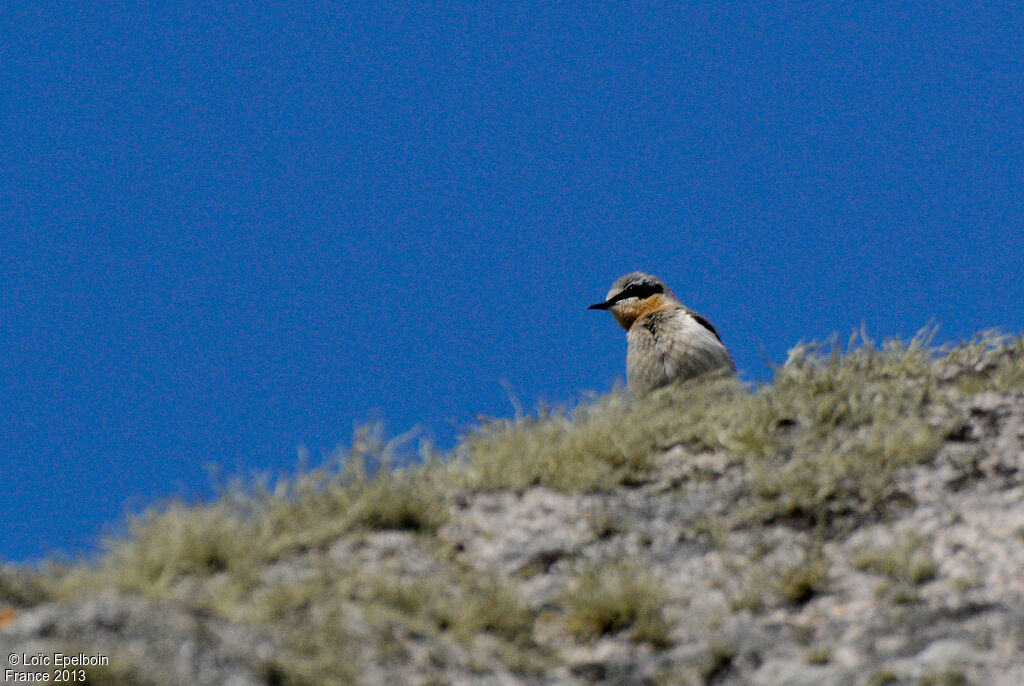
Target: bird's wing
687,344
703,321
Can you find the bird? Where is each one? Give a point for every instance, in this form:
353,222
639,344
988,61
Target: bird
667,341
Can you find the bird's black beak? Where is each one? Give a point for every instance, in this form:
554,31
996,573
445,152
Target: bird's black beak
600,306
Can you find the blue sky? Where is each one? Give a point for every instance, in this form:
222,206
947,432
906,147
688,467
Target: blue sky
230,230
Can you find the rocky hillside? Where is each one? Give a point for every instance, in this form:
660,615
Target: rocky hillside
858,521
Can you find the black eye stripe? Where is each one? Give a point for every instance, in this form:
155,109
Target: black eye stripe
643,290
638,290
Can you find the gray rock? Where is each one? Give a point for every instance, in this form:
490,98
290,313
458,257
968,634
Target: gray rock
143,641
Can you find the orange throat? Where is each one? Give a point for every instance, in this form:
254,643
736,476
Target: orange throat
627,314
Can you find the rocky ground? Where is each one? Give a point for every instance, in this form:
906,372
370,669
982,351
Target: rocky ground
640,585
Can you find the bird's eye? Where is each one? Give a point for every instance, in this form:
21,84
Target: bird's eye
642,290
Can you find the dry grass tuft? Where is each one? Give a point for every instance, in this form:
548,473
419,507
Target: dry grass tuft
601,444
822,443
615,597
905,561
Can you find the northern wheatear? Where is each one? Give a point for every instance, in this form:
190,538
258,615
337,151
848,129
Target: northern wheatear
667,341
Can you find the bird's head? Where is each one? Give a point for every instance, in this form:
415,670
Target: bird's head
634,295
